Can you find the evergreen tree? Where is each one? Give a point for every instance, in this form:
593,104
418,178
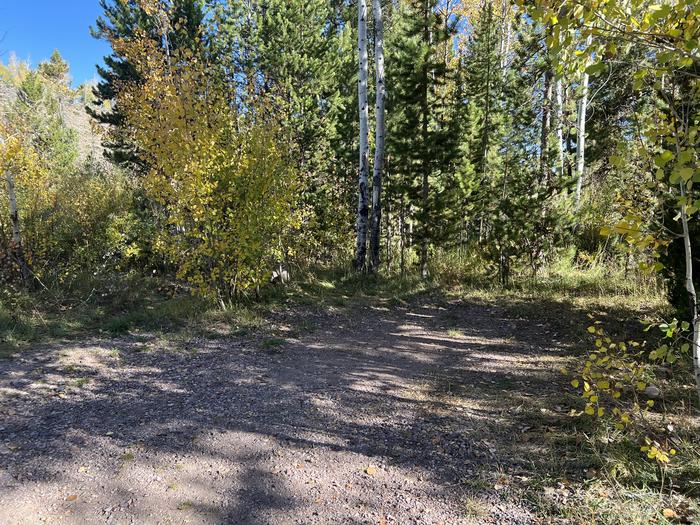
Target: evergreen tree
38,110
56,69
421,140
300,56
301,50
508,171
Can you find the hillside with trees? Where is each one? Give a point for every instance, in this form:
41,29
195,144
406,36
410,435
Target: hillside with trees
441,253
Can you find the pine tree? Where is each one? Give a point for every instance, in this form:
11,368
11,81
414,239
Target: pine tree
422,143
487,111
56,69
38,110
301,57
513,199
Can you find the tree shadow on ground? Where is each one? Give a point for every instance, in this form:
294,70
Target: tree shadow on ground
456,395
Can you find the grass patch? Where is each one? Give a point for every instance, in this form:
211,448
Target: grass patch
133,304
476,508
273,344
604,503
81,382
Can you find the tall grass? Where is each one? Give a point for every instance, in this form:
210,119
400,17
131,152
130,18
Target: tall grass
122,303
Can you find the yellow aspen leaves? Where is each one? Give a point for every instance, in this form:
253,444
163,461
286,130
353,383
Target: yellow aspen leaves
613,382
223,179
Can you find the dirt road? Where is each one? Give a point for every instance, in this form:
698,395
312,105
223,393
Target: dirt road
421,414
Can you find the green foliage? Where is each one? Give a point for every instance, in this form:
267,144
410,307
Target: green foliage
180,21
518,204
55,70
66,206
300,56
38,114
661,81
423,130
658,45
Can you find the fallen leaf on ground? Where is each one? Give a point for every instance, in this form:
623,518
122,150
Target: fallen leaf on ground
72,497
669,514
371,471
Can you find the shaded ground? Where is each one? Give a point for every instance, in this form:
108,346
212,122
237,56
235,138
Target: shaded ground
435,412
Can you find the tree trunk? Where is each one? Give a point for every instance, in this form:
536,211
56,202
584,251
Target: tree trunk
560,125
426,167
402,238
546,126
17,248
485,133
504,47
379,134
581,133
389,236
692,295
362,206
568,146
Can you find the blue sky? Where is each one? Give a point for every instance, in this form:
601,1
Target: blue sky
32,29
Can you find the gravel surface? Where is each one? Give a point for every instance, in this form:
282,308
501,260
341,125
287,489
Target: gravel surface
374,416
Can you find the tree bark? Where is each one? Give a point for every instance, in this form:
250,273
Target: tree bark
581,133
362,206
379,134
426,168
402,238
560,125
504,47
692,294
546,126
17,248
389,236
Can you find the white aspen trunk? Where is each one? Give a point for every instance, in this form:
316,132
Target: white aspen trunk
505,36
379,134
560,125
692,295
581,133
362,207
17,248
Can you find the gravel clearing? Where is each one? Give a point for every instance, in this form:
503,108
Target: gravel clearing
374,416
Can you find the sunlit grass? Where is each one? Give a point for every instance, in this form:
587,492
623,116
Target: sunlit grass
132,303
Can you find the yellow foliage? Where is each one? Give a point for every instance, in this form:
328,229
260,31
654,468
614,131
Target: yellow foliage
611,381
17,155
222,178
61,214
